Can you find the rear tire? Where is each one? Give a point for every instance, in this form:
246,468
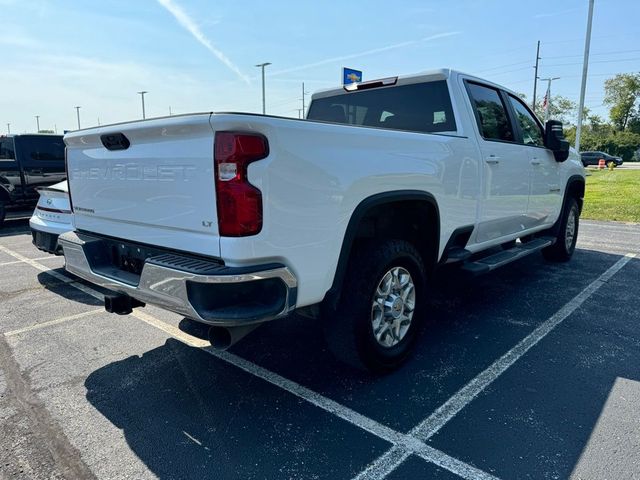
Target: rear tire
567,236
381,308
3,213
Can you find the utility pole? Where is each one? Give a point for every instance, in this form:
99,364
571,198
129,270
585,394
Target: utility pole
169,110
98,121
547,102
8,129
38,123
78,114
264,105
535,78
142,95
300,112
585,67
303,95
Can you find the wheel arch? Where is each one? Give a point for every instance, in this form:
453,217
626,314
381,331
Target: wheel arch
575,189
362,224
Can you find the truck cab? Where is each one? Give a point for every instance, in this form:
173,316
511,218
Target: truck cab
27,162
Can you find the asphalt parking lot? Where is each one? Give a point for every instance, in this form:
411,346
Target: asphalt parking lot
532,371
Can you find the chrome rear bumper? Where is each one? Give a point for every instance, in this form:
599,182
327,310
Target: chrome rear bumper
201,289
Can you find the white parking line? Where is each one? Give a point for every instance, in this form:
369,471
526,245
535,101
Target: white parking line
407,443
53,273
15,262
57,321
428,427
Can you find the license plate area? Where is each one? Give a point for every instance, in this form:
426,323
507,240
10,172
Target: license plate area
121,261
128,259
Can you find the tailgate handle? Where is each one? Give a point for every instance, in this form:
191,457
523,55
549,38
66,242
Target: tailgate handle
115,141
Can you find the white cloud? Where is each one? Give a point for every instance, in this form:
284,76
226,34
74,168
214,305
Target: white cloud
191,26
366,52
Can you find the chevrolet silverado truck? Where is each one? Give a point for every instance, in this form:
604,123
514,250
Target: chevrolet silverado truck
27,162
234,219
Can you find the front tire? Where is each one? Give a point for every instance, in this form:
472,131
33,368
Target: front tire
3,213
378,317
567,236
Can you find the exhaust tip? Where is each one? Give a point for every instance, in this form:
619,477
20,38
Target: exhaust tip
220,337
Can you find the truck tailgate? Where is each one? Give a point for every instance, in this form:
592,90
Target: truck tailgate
152,191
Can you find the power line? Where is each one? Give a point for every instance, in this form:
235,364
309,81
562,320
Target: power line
511,71
597,61
502,66
280,104
600,53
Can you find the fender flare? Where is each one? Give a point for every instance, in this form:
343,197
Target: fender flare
333,294
572,180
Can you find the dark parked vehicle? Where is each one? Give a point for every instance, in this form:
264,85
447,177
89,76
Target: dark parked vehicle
27,162
592,158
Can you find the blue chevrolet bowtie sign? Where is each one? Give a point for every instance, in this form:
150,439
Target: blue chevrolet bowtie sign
349,76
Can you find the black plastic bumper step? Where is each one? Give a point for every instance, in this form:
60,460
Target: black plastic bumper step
457,255
491,262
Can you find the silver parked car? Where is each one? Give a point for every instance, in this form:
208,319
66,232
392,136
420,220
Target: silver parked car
51,217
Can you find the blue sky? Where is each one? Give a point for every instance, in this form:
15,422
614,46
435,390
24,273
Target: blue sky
198,55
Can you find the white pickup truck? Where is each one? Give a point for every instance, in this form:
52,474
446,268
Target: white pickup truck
235,219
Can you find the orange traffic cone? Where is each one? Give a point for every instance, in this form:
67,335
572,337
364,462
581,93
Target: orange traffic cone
601,164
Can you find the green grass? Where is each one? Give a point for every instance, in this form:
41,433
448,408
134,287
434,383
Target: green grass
612,195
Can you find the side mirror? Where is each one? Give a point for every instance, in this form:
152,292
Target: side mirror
554,140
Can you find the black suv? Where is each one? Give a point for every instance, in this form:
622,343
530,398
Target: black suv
26,162
592,158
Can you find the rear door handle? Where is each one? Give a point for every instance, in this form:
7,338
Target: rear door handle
535,161
492,160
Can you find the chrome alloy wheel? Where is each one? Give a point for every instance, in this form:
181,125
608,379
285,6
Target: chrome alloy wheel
570,231
394,302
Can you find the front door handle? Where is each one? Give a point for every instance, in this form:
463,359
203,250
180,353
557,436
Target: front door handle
492,160
535,161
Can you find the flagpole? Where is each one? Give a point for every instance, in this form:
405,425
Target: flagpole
547,97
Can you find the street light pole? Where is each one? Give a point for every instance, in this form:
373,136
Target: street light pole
38,123
8,129
548,96
585,67
264,105
78,114
142,95
304,92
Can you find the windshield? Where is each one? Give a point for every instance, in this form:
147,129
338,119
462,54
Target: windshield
420,107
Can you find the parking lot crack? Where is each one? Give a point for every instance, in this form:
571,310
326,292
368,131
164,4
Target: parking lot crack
50,435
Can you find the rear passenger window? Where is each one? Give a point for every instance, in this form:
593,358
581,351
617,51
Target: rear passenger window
491,113
6,149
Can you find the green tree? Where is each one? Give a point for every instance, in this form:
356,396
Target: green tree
560,108
621,95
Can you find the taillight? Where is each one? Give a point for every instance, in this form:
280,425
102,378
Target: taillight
66,171
239,203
